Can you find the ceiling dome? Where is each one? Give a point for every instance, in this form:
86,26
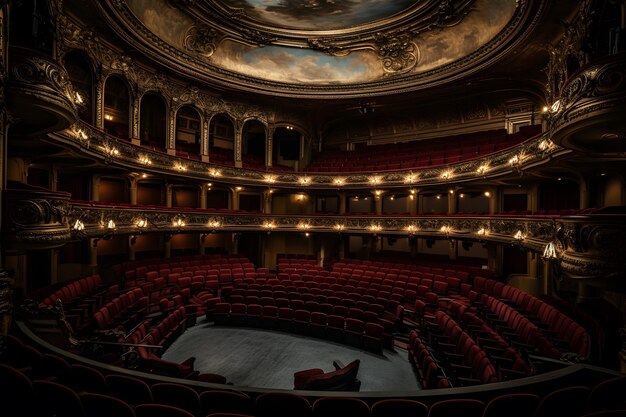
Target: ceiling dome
322,48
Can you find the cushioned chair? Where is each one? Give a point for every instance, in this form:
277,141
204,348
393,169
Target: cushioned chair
608,395
160,410
512,405
225,402
566,402
16,395
56,400
87,379
279,404
457,408
128,389
399,408
343,379
177,395
340,407
99,405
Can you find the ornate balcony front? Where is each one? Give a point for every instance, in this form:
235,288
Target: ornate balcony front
39,94
34,219
587,246
588,115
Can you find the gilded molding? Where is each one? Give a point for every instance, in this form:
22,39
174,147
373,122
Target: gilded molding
600,249
528,154
203,70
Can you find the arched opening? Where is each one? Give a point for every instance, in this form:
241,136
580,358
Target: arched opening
116,107
221,140
153,125
188,132
287,148
558,195
78,68
253,144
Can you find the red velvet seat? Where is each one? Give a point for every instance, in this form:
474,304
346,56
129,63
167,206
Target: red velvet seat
128,389
512,405
87,379
457,408
177,395
279,404
565,402
399,408
225,402
17,394
340,407
53,400
100,405
160,410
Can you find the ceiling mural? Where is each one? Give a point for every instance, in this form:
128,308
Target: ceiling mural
319,14
327,42
298,65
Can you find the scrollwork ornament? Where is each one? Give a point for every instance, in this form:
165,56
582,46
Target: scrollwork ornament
201,39
397,51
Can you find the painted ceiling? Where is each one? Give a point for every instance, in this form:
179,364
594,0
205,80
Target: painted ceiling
321,44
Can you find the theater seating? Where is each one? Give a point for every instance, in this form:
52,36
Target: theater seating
342,379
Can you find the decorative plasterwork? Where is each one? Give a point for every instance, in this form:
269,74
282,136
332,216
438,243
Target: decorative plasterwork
397,61
93,142
202,39
588,245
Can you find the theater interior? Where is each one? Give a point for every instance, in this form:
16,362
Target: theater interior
317,208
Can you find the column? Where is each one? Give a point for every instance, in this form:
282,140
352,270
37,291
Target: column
532,264
203,196
494,257
452,201
546,284
93,252
54,179
132,240
420,202
95,187
413,246
412,202
170,136
133,190
135,122
100,101
234,249
452,249
204,139
267,201
342,203
201,248
269,145
167,244
492,195
583,186
378,202
238,140
234,202
533,198
168,195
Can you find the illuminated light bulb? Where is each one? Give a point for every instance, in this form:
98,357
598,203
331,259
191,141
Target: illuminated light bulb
78,225
142,223
111,224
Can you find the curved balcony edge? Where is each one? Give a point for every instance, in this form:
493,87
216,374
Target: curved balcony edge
586,245
113,151
588,115
40,97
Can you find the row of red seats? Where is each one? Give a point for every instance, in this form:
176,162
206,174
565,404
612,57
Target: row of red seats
466,362
74,290
124,396
124,311
510,362
513,326
351,331
555,325
430,374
